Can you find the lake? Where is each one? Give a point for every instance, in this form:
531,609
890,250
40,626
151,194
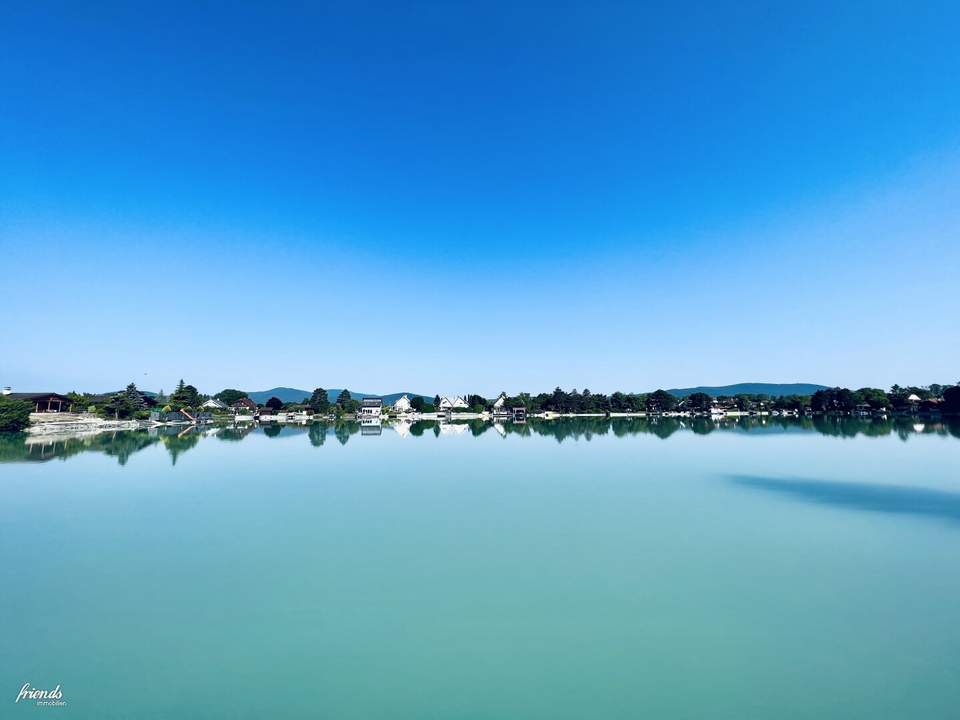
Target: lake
565,569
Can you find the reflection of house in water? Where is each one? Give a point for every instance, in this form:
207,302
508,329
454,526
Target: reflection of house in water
453,428
519,414
371,426
402,428
500,429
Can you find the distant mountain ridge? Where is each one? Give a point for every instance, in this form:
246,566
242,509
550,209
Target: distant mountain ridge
294,395
771,389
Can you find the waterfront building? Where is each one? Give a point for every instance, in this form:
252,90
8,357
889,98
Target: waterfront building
244,406
370,408
457,403
43,402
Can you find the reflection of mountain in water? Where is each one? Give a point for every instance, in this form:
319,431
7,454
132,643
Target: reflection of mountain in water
178,440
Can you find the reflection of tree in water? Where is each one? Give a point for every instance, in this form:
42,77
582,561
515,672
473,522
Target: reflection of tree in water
478,427
122,445
630,426
702,425
235,434
317,434
343,430
272,430
664,427
568,428
420,426
178,443
521,429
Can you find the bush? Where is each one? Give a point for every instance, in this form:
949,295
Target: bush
14,414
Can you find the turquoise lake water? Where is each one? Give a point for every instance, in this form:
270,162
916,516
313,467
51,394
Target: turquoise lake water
574,569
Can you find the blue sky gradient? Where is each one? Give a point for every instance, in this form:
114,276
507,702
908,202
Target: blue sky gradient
462,198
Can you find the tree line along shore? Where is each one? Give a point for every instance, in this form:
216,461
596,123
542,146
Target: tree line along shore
133,404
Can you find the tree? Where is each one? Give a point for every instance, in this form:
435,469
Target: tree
184,396
229,396
834,400
274,403
951,399
125,404
344,398
133,397
319,402
874,397
700,401
436,401
418,403
477,403
661,401
14,414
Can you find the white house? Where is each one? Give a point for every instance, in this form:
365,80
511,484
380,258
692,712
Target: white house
402,405
370,408
214,404
458,403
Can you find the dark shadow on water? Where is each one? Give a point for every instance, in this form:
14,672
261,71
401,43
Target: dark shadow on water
892,499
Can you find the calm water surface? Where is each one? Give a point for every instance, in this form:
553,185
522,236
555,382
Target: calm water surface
574,569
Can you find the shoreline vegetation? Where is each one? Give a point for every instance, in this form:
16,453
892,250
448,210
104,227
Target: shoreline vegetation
133,409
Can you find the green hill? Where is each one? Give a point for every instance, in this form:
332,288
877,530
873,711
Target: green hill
771,389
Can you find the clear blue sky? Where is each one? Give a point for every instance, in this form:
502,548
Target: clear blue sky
472,197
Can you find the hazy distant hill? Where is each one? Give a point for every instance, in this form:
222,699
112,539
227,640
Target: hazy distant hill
287,394
772,389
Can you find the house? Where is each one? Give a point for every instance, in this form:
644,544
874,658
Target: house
370,408
458,403
402,405
519,414
244,406
214,404
43,402
500,406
